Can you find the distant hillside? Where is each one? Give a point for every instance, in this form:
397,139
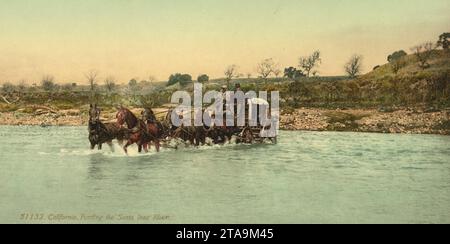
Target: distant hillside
409,86
439,63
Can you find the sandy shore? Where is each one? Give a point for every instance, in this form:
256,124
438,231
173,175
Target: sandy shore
414,121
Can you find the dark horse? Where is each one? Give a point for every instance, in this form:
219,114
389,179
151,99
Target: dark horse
100,133
154,127
140,133
195,135
220,133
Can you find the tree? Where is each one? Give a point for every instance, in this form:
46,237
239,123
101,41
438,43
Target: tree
183,79
353,66
91,76
266,67
133,88
292,73
203,78
47,83
307,64
230,73
397,60
396,56
173,79
444,41
110,84
133,84
423,53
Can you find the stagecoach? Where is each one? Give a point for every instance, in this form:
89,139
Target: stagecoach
254,130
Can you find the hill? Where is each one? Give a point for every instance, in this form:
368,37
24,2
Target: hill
409,86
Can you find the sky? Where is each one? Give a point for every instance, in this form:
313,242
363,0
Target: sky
141,38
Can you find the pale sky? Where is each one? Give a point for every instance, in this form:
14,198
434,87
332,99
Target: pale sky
138,38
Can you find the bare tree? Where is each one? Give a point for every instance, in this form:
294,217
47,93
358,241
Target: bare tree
110,84
353,66
91,76
307,64
265,68
48,83
423,53
152,79
230,73
277,71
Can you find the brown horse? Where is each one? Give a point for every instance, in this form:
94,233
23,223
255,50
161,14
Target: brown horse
134,125
100,133
154,128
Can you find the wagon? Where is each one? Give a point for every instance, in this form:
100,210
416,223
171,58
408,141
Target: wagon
256,130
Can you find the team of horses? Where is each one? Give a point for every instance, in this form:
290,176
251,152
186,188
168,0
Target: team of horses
146,130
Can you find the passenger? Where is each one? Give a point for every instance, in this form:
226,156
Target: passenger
237,87
223,92
148,116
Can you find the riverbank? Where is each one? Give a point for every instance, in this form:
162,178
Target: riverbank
406,120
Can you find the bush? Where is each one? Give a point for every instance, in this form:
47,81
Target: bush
48,85
8,88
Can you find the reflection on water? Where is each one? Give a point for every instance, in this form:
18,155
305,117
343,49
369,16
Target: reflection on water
307,177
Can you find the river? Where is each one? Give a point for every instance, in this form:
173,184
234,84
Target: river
49,175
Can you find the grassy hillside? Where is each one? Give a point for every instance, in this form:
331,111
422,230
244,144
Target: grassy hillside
410,86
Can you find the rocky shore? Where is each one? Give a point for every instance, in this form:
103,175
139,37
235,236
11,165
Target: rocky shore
412,121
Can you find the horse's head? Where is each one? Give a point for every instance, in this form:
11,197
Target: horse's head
121,115
94,113
126,116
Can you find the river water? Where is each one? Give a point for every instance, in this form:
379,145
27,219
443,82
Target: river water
49,175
